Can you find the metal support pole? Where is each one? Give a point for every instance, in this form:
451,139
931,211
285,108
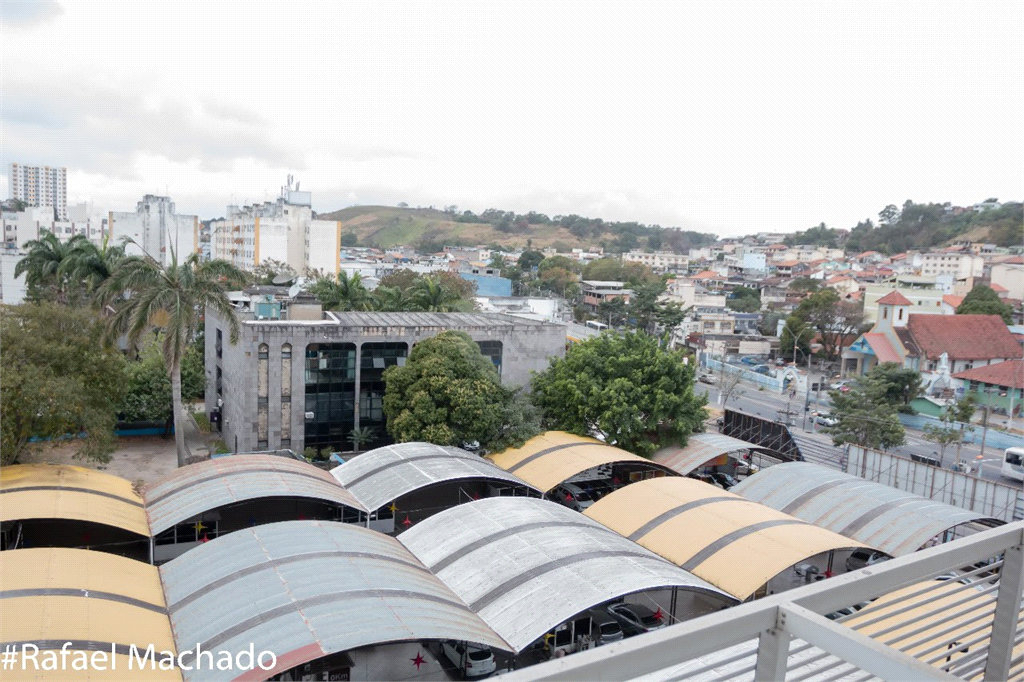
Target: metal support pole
1004,623
773,653
984,424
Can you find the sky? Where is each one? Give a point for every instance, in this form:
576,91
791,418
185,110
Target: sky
732,118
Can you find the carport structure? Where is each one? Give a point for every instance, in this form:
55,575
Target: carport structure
309,589
702,449
526,566
553,457
421,479
894,521
97,601
69,506
732,543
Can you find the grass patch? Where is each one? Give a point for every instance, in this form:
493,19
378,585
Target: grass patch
220,447
202,421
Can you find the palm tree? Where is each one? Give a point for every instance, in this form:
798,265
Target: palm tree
390,299
42,264
147,294
344,293
429,294
90,264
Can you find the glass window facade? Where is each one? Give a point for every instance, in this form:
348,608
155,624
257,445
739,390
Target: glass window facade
375,358
330,374
492,350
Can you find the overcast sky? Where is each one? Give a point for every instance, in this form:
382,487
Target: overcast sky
724,117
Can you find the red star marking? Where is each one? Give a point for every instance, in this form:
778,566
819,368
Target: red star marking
476,496
658,615
407,522
204,538
568,497
616,481
419,660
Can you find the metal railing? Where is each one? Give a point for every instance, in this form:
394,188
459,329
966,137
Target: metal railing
948,612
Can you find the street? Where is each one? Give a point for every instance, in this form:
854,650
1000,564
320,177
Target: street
763,403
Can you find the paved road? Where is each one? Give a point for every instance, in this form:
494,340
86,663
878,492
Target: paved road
747,398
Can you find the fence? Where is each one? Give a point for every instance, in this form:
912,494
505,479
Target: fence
772,383
996,439
991,498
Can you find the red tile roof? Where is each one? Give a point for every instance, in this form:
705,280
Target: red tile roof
964,337
883,348
708,274
997,287
955,301
1009,374
894,298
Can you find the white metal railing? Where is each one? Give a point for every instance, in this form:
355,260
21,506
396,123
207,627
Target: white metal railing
966,626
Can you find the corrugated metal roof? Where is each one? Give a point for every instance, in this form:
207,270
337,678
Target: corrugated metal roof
92,599
701,448
892,520
734,544
439,320
385,474
303,589
45,491
197,488
546,460
527,565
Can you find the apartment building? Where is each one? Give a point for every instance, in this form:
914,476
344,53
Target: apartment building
957,264
658,261
41,186
156,229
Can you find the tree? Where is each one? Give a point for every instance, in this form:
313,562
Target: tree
890,215
530,260
560,281
795,329
900,385
361,435
42,266
832,318
804,285
389,299
147,386
88,264
449,394
644,305
430,294
497,261
349,239
612,311
982,300
343,293
559,262
865,417
744,300
627,389
171,298
57,381
270,269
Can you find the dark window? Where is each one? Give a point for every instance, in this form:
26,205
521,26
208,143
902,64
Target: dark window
374,359
330,378
220,343
492,350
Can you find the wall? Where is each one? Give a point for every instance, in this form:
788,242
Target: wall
770,383
991,498
12,291
994,439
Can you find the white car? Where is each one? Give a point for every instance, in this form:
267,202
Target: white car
842,386
472,660
864,557
824,418
708,379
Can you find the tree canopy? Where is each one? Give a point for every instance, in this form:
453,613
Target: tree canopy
148,385
57,380
832,319
899,385
865,415
982,300
448,393
628,388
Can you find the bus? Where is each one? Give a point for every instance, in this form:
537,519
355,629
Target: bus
1013,463
594,324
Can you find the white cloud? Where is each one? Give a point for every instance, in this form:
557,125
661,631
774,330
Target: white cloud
730,118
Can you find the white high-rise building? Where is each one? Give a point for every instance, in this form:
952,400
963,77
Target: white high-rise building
41,186
156,229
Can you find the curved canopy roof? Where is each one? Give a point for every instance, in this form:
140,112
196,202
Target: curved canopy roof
700,448
385,474
46,491
732,543
891,520
198,488
546,460
304,589
527,565
92,599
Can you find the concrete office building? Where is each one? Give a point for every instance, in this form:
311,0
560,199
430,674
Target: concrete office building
41,186
304,378
155,228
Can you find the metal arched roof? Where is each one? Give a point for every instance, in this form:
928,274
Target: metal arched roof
894,521
305,589
46,491
94,600
385,474
552,457
527,565
198,488
700,449
734,544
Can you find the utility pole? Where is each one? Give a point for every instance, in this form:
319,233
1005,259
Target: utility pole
984,423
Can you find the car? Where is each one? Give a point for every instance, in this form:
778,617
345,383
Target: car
572,496
636,619
708,379
472,660
706,478
823,418
864,557
841,386
604,627
723,479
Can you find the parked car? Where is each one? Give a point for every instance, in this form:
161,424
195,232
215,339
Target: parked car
823,418
604,627
636,619
472,660
841,386
864,557
706,478
572,496
723,479
708,379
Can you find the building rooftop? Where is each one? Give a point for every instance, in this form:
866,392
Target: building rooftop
894,298
1009,374
964,337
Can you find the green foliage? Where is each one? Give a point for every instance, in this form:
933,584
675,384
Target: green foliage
148,385
866,417
833,319
449,394
361,435
528,260
796,328
628,388
899,385
822,235
57,380
202,421
45,270
982,300
269,269
349,239
562,262
406,290
804,285
614,270
342,293
922,226
744,300
559,281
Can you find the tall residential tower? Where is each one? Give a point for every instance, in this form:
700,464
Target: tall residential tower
41,186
